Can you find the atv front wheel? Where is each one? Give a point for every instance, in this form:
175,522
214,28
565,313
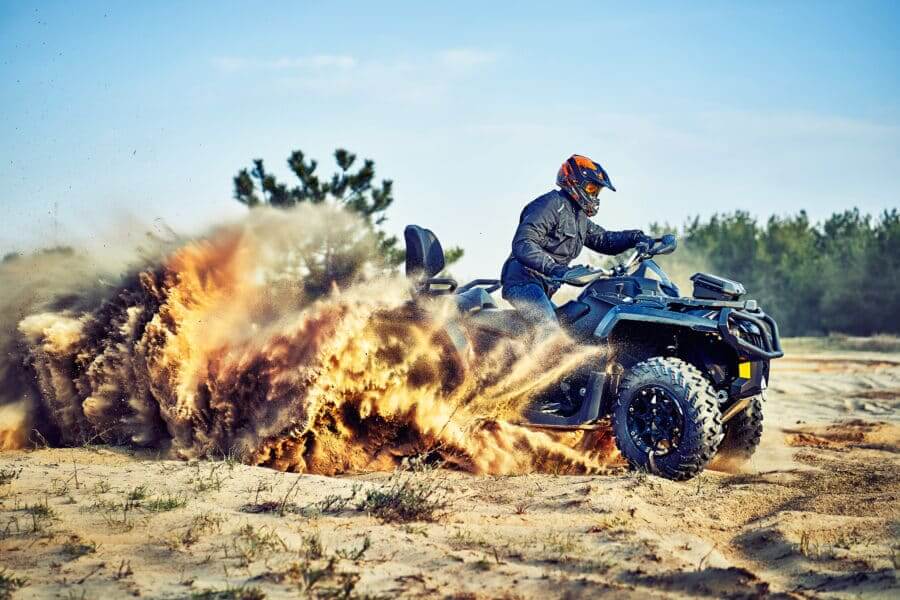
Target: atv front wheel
667,419
743,432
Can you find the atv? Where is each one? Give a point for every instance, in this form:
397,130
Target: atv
681,379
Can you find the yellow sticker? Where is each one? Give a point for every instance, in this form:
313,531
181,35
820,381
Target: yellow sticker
744,370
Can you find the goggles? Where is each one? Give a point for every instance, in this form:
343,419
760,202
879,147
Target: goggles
591,189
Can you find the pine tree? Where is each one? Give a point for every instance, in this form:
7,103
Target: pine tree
355,190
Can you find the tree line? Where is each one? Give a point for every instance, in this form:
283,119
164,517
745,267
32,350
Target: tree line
840,275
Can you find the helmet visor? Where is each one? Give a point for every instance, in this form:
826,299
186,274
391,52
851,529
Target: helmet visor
591,189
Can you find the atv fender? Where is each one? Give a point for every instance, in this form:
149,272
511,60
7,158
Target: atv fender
646,314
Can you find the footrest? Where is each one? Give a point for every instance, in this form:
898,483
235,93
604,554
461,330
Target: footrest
590,408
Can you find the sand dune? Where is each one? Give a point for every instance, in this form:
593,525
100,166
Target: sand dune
817,514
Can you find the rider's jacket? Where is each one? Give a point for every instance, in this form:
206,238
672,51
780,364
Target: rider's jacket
551,233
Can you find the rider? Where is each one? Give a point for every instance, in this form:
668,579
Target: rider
552,231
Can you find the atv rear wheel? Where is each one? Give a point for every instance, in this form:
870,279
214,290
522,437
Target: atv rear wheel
743,432
667,419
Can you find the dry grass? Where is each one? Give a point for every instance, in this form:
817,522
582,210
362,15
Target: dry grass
837,342
252,543
230,593
201,525
164,503
319,573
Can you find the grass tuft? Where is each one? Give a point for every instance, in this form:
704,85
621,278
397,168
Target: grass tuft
251,543
164,504
75,548
408,495
7,475
230,593
137,494
41,511
205,482
9,583
318,573
202,524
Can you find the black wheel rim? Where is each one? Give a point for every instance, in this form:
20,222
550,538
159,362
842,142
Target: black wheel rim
655,420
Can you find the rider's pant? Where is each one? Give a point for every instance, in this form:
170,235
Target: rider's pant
532,302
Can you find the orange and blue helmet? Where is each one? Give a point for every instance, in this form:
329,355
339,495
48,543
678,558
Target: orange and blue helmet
582,179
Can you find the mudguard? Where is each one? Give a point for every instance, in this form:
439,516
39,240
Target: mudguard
646,314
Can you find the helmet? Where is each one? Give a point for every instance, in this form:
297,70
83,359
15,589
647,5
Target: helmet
582,179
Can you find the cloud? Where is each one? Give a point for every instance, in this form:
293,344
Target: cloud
422,79
231,64
466,58
455,59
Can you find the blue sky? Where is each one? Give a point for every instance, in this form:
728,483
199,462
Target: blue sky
120,110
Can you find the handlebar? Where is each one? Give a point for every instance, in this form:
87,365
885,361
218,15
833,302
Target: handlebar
582,276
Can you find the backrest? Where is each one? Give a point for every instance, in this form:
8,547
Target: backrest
424,254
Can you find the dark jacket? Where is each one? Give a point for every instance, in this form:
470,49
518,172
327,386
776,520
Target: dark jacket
551,233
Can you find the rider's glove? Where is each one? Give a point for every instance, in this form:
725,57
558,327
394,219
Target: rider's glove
565,273
639,237
558,272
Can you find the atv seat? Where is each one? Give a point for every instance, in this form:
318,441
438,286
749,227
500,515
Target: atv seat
506,322
473,299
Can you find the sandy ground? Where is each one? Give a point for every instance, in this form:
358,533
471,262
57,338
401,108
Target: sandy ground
817,514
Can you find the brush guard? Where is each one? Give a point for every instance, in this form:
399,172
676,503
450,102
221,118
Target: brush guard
764,346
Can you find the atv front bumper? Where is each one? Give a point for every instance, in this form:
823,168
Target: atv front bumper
754,334
743,326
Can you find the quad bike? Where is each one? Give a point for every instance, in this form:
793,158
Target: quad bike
681,378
